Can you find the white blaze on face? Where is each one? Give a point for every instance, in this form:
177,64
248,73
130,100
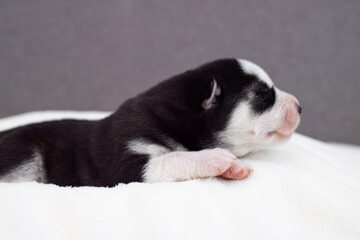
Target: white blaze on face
247,131
253,69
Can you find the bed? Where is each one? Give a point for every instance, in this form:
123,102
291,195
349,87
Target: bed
304,189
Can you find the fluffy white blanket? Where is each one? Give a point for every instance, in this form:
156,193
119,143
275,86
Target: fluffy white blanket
305,189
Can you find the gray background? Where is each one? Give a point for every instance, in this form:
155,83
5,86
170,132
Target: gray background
92,55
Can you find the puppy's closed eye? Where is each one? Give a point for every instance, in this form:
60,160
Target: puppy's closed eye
265,90
264,99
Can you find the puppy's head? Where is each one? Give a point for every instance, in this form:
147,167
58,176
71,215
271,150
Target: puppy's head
242,106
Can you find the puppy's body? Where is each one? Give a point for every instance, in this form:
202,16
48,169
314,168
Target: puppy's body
163,134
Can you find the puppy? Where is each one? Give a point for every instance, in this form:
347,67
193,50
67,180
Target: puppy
192,125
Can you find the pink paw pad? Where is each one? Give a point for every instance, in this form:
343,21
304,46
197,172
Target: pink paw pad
239,170
216,161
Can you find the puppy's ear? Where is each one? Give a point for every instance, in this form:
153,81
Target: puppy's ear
211,101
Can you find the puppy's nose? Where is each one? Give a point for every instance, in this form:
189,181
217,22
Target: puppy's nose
299,109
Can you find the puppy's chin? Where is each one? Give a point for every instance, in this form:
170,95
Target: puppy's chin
269,139
252,143
279,135
283,133
277,138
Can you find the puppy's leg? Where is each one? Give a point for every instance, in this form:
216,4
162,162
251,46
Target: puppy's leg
177,166
19,160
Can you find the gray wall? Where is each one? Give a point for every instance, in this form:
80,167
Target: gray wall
92,55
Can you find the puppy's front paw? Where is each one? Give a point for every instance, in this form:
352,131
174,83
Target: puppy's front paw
239,170
215,161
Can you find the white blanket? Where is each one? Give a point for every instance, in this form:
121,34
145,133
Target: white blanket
305,189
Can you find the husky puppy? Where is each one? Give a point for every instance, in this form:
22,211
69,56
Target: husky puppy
193,125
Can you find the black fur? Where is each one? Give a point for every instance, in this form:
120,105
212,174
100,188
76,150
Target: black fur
95,153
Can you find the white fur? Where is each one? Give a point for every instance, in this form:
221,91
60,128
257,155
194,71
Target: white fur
30,170
141,146
178,166
253,69
247,132
165,165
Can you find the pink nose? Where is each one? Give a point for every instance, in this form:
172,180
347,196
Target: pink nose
292,118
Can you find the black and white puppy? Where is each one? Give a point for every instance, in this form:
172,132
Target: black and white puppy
192,125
